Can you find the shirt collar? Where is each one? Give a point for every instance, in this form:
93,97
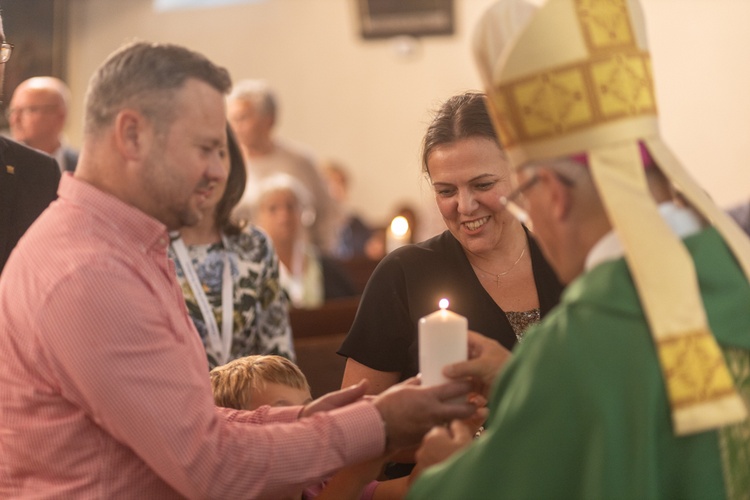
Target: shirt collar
127,220
681,220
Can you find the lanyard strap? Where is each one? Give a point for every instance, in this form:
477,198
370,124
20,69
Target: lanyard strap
220,342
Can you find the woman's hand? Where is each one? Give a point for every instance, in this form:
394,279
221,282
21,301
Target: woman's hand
486,358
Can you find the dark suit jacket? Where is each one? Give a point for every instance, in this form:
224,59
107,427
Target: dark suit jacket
28,184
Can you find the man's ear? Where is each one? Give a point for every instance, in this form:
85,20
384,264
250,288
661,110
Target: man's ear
559,200
132,134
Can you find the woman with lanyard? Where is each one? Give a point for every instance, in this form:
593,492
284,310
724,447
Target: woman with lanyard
230,277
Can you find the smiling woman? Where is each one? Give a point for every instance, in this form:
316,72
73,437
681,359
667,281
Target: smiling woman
487,264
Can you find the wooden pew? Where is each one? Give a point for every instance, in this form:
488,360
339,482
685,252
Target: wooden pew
317,334
359,270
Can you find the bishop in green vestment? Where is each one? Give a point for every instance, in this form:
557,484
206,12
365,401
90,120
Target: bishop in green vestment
638,384
580,411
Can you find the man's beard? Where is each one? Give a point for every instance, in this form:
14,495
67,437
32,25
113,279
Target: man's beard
172,215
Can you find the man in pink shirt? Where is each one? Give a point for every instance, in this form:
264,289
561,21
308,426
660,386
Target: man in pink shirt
104,388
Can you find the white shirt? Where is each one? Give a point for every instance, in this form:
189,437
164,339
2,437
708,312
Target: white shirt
683,221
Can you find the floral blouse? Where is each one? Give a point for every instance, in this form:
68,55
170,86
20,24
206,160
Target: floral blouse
261,308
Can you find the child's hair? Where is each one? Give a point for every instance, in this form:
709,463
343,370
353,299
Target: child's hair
232,383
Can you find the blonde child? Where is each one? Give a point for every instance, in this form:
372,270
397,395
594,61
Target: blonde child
253,381
250,382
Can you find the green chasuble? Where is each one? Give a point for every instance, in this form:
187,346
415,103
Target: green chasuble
581,412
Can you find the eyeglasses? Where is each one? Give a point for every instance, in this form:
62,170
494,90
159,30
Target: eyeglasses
37,109
6,49
515,203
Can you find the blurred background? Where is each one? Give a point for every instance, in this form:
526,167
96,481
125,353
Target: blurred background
357,79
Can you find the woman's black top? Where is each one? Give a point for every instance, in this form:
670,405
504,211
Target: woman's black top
407,285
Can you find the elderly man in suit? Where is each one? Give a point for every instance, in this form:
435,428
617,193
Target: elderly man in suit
28,181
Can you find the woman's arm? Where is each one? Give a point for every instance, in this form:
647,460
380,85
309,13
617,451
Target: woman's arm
379,381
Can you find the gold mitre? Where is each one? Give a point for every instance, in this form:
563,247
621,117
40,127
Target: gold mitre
566,77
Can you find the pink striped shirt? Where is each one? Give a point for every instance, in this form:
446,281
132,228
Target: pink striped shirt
104,390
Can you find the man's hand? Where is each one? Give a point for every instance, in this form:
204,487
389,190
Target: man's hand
410,410
336,399
486,358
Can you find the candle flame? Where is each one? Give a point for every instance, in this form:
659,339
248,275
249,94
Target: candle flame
443,303
399,226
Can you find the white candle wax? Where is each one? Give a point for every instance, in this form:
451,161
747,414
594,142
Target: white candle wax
442,341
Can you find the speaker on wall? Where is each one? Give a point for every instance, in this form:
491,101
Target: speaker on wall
388,18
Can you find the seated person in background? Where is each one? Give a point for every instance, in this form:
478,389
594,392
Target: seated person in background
230,276
486,264
254,381
352,234
282,209
36,116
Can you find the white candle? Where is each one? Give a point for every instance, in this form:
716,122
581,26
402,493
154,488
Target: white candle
398,234
442,341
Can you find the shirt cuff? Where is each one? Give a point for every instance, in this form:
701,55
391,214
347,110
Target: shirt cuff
361,426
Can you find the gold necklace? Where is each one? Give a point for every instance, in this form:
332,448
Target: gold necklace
499,275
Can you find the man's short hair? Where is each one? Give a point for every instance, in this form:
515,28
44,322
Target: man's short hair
145,76
233,382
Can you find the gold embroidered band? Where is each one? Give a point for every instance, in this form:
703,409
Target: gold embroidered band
575,97
574,76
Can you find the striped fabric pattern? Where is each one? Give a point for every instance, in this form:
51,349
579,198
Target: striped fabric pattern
103,379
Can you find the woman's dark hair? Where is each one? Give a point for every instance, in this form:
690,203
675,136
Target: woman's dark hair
460,117
235,187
